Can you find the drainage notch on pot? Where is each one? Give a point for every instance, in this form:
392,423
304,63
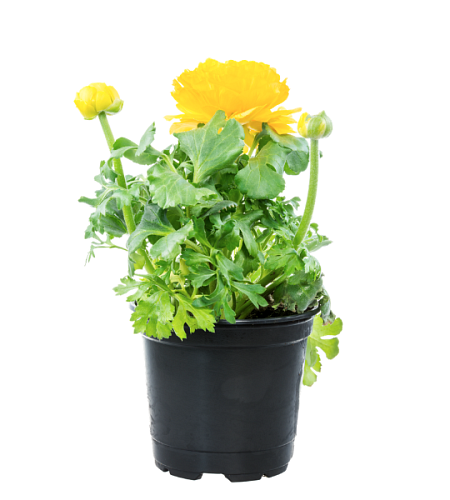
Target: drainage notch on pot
227,402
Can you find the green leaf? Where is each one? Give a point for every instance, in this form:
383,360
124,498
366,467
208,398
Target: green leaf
113,225
272,154
297,297
179,321
200,274
127,148
89,201
107,172
228,268
286,140
193,258
199,232
123,197
219,206
146,139
253,292
260,178
204,318
283,258
314,241
244,223
296,162
219,294
320,338
169,189
128,285
247,263
229,314
153,222
210,150
168,247
227,236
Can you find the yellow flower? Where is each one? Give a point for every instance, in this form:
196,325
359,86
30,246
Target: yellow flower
315,127
244,90
97,97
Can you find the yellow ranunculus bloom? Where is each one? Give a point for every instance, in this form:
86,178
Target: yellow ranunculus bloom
244,90
315,127
98,97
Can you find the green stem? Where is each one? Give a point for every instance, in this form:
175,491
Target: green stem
121,181
195,247
312,192
254,144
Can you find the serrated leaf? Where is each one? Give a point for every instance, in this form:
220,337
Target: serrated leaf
193,258
227,236
210,150
179,321
253,292
123,197
228,268
200,274
320,338
204,317
169,189
283,258
168,247
297,297
153,222
219,206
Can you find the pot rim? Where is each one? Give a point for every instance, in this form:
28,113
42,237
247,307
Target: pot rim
279,319
263,321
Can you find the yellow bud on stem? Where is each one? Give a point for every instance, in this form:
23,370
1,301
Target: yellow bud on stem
315,127
98,97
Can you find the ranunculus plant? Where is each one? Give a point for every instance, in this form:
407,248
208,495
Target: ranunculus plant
208,233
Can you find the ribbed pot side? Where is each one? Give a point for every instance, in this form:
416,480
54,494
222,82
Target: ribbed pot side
227,402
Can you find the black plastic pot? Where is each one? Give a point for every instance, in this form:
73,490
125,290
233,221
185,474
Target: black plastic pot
227,402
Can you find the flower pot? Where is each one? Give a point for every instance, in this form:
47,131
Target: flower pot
227,402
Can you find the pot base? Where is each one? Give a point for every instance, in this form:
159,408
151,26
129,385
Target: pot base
234,478
236,467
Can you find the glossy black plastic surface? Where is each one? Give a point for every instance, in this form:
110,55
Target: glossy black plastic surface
227,402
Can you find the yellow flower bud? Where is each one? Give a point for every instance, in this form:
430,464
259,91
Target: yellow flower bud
98,97
314,127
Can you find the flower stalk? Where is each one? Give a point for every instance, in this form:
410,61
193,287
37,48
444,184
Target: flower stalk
312,193
121,181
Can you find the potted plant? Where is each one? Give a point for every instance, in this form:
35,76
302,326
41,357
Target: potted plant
221,273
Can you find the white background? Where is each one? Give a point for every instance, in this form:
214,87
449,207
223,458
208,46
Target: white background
74,416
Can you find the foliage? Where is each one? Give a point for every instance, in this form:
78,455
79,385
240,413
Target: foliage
213,237
323,337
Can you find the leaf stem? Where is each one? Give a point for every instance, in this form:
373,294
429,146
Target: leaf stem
195,247
312,193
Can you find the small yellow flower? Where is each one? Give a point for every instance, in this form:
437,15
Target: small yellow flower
98,97
244,90
314,127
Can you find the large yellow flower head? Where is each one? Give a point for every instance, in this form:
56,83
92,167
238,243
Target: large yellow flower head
244,90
